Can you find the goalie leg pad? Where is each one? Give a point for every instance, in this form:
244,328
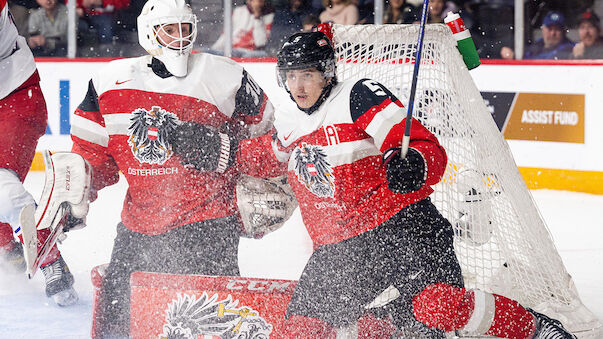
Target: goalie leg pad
63,206
67,182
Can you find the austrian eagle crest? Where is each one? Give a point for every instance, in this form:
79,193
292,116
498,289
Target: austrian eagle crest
148,132
313,170
190,318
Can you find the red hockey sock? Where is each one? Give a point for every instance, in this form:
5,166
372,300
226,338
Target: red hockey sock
54,252
511,320
6,236
449,308
297,326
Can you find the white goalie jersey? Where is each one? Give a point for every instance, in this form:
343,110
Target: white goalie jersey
16,60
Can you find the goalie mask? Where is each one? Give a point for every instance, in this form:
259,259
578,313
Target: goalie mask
264,204
304,51
167,30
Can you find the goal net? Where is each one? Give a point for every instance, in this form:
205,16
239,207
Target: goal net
501,240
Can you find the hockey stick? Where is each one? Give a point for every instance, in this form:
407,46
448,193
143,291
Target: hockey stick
413,86
34,261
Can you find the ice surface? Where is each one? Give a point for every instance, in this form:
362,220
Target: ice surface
573,218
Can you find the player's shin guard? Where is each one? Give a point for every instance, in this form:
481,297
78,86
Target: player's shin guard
298,326
473,312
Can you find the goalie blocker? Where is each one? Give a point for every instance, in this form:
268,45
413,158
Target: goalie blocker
63,206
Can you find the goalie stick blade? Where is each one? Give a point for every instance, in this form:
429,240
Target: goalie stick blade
29,235
33,261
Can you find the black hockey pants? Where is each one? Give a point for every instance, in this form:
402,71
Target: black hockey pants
411,250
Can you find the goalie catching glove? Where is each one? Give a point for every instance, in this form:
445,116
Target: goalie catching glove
404,175
202,147
264,204
62,207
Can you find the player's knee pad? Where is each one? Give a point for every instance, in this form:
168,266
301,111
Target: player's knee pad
443,306
13,197
297,326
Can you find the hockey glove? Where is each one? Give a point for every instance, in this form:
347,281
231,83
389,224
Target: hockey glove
404,175
203,148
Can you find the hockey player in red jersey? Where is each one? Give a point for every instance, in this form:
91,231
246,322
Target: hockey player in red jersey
369,214
171,122
22,122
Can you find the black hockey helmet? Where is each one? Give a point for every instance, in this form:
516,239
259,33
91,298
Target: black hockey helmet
306,50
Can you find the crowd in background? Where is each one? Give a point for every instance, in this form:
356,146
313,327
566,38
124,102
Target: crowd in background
554,29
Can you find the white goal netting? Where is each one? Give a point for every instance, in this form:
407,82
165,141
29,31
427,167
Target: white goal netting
501,240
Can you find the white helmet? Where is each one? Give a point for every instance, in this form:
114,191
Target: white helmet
155,15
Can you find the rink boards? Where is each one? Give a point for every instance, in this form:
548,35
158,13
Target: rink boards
555,144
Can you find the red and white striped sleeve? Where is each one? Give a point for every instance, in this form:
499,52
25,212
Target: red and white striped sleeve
90,139
380,114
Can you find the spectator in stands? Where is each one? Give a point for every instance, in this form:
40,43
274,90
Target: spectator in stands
20,10
491,25
309,22
366,11
554,43
251,27
342,12
96,18
436,11
287,21
589,30
399,12
316,6
126,33
47,29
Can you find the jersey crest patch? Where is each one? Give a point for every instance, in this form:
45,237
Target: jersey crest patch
148,132
189,317
313,170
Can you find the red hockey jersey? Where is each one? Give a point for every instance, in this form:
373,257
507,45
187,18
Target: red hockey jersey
335,160
123,124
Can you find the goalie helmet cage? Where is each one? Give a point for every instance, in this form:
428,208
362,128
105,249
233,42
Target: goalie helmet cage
501,240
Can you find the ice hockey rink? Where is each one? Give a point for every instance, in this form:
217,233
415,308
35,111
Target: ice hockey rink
574,220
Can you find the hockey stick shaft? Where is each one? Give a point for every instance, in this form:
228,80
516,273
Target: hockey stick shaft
415,76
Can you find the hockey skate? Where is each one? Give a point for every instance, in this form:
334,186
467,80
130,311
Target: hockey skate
11,257
547,328
59,283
